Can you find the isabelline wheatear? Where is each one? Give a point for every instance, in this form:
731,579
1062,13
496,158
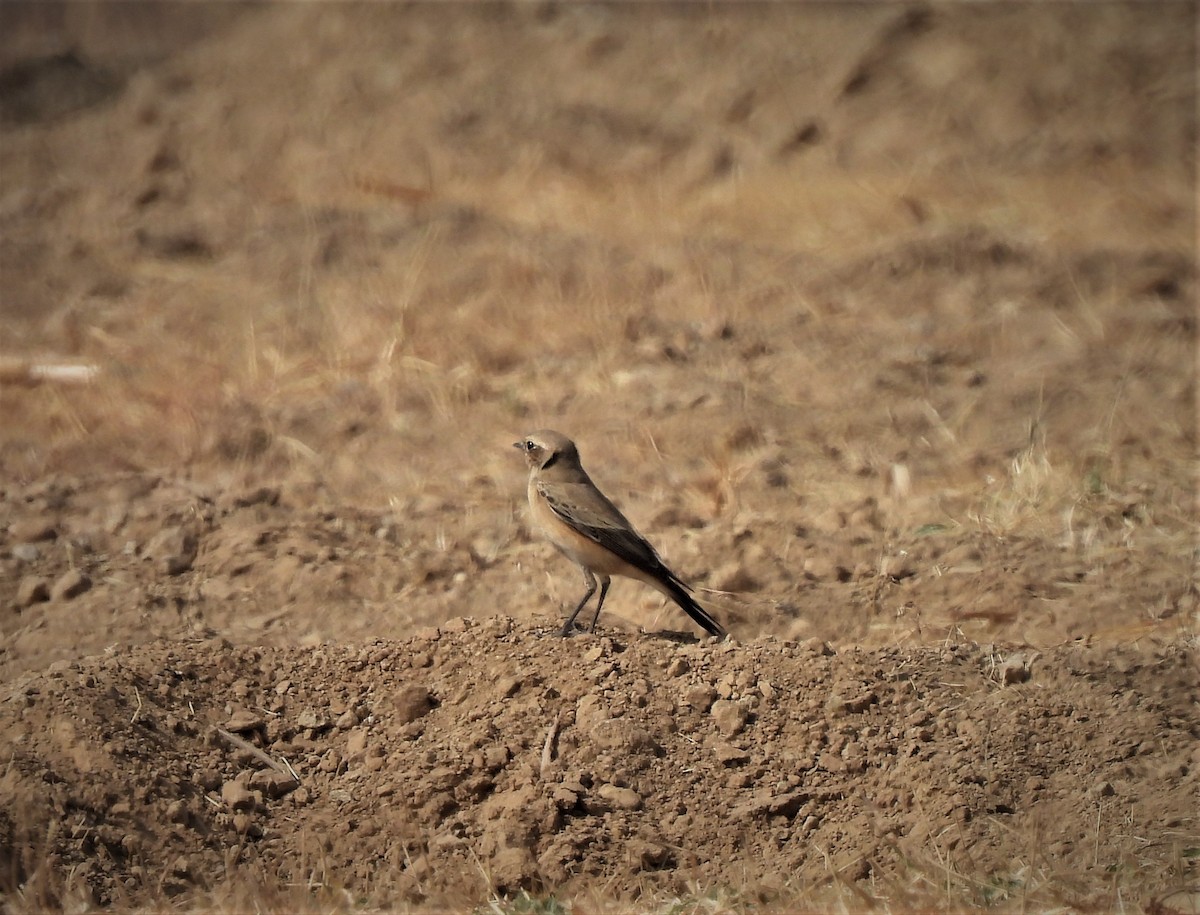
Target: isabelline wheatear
589,530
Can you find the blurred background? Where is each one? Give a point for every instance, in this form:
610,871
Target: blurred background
878,319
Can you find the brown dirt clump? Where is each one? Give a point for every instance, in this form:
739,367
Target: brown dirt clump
879,321
488,757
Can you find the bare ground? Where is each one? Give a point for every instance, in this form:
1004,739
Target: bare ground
879,321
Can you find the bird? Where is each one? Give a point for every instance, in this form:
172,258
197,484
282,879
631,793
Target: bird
580,521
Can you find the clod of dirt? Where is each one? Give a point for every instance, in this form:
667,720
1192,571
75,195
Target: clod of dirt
921,767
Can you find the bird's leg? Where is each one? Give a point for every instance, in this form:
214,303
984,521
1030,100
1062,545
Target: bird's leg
590,581
605,581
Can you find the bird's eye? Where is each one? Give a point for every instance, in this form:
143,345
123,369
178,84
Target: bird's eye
529,445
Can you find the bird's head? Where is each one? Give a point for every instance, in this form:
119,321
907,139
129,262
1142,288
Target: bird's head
545,447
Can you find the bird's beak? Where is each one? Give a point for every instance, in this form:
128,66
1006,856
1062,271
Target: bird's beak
518,444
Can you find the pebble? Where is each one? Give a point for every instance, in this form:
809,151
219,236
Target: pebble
700,697
729,755
26,552
412,702
625,798
237,796
311,720
243,720
272,783
729,716
356,743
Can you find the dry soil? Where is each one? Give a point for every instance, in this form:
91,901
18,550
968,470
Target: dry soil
878,320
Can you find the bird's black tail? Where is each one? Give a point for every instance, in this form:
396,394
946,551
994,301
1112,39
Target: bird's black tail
692,608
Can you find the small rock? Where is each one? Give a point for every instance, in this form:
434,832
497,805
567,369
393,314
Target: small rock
840,704
507,687
623,735
625,798
311,720
272,783
237,795
678,667
729,717
412,702
729,755
26,552
564,797
356,744
590,711
831,762
496,757
243,720
70,584
700,697
32,590
347,720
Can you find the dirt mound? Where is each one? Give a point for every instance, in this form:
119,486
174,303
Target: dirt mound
488,756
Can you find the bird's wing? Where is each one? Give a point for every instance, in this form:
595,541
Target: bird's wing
586,509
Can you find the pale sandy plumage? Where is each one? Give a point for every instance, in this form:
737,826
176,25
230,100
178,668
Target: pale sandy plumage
589,530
